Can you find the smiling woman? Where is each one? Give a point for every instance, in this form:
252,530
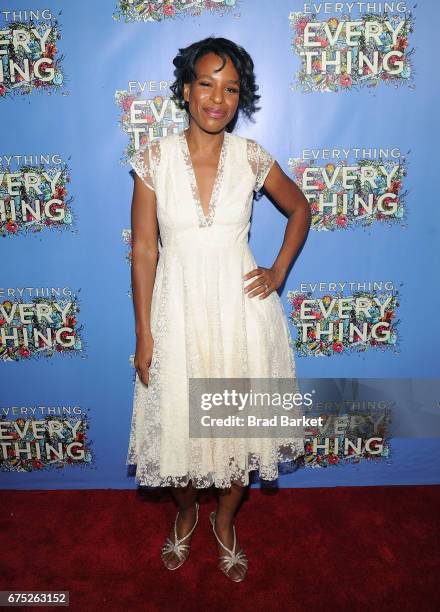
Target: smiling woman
216,64
194,191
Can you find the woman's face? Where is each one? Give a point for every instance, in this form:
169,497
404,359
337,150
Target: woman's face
213,96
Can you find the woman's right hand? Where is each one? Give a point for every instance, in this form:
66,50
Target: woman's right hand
143,356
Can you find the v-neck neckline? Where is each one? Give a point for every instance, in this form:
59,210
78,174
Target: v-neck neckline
204,220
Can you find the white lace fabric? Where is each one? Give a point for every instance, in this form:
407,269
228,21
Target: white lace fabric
260,161
202,322
144,162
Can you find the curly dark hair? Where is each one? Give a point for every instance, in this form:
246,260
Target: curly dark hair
184,72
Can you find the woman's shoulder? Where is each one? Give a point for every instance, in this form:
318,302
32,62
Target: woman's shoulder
159,146
242,141
245,140
259,159
170,137
165,140
172,140
253,148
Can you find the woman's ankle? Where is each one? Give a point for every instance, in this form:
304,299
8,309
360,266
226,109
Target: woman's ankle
188,510
224,522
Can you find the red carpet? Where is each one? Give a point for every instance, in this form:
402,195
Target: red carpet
345,548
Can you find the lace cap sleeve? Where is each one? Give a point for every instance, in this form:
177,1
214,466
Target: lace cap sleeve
260,161
145,161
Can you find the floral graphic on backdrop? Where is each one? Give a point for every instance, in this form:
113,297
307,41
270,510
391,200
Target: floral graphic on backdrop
337,454
375,50
41,202
55,442
145,119
348,434
159,10
126,237
30,61
345,195
369,314
40,328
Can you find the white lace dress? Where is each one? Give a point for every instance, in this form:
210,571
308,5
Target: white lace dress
202,322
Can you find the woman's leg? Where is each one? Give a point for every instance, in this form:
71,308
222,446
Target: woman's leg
185,498
228,503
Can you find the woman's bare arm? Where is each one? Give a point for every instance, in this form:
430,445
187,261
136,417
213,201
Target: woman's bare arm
293,202
144,234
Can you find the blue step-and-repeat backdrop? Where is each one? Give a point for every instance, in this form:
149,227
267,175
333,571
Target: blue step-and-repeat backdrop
349,94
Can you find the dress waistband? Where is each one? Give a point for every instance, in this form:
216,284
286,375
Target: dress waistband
211,242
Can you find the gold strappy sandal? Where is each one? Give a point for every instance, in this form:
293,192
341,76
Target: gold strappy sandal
180,550
227,562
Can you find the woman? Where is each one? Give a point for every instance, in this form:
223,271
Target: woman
204,308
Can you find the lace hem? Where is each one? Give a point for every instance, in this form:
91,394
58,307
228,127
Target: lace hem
287,453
